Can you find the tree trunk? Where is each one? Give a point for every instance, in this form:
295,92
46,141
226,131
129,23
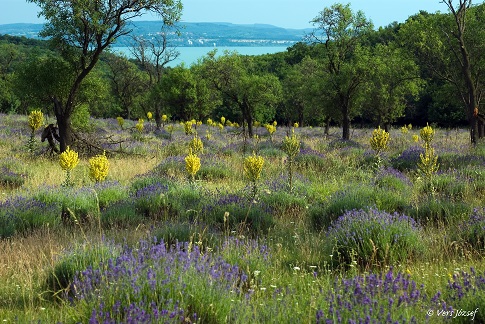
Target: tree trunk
158,116
64,124
327,126
345,124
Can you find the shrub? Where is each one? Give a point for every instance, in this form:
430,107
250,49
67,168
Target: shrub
10,179
392,179
372,237
22,214
472,230
284,204
408,159
465,292
158,284
432,210
121,214
173,233
74,261
235,210
149,199
359,197
214,171
386,298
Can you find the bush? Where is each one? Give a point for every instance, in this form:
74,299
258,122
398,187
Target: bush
374,298
149,199
465,292
472,230
121,214
432,210
10,179
212,172
236,211
357,198
72,262
373,238
408,159
22,214
173,233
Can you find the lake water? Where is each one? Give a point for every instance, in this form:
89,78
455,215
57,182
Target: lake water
190,55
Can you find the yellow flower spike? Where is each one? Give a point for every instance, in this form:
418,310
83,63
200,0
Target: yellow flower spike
68,159
296,125
99,167
270,128
149,115
275,123
121,121
188,127
223,120
140,125
404,129
192,164
416,138
164,118
196,145
427,134
379,140
209,121
253,165
291,145
36,120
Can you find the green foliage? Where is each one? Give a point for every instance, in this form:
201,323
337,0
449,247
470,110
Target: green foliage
122,214
81,119
438,211
371,238
358,197
59,279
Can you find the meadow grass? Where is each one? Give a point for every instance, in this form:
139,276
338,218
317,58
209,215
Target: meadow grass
210,251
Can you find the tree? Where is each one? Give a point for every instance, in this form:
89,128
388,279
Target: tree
153,55
393,79
451,46
127,83
255,95
82,30
340,30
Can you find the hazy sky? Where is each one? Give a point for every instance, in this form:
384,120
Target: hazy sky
282,13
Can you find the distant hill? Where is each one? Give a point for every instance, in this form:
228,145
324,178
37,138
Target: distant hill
193,34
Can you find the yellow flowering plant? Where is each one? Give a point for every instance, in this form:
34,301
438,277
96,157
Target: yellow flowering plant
379,142
192,164
149,116
140,125
36,120
427,134
428,164
121,121
253,166
188,127
271,128
99,167
68,160
196,145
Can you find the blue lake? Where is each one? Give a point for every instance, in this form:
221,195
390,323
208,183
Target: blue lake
190,55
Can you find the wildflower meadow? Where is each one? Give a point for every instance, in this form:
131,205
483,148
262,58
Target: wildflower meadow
197,223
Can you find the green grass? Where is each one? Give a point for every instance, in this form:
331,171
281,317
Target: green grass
279,239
